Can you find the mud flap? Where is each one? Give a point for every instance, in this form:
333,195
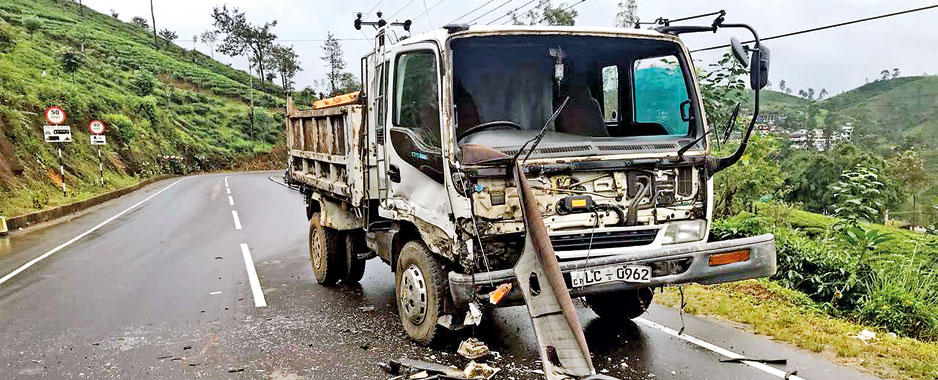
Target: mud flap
560,339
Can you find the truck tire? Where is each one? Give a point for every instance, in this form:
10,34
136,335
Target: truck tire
354,244
326,252
420,285
627,304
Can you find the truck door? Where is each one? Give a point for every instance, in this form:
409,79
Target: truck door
414,155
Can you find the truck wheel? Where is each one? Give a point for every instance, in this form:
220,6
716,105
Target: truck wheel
325,252
420,285
627,304
354,244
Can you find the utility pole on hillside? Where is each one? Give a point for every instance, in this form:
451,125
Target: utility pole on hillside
153,19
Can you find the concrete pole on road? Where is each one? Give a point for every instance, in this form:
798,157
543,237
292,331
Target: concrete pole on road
100,166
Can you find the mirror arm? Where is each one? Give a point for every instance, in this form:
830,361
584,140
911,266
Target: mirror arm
719,163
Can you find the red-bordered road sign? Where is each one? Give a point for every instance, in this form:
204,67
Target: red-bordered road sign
55,115
96,127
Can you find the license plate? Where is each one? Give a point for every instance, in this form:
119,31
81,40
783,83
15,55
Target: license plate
626,273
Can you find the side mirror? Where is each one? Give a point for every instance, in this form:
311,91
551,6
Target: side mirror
739,52
759,68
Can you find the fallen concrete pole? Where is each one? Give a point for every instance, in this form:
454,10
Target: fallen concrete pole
561,343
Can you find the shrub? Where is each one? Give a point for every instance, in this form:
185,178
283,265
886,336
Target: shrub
143,83
7,40
32,24
71,60
122,125
903,302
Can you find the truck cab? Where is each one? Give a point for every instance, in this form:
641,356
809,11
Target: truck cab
621,170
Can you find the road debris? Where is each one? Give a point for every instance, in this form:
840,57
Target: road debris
865,335
473,349
480,370
765,361
366,308
473,316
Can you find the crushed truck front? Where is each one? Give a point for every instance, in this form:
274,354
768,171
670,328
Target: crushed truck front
616,196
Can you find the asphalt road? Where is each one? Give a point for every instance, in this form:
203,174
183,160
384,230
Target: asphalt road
162,291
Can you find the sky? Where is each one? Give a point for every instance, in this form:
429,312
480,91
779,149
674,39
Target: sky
837,59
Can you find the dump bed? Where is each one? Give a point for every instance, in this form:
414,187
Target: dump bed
325,150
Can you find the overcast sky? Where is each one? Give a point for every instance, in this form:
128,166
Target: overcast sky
837,59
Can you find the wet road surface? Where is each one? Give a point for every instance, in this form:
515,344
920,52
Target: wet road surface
163,292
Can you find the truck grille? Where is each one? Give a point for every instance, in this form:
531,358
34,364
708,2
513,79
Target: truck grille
601,240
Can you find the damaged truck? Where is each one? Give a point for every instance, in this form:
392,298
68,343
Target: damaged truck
492,166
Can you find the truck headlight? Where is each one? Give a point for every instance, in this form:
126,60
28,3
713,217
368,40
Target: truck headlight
683,232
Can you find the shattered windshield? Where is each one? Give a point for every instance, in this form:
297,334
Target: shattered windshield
506,87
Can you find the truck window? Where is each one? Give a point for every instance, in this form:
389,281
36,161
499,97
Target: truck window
416,97
415,133
610,93
659,91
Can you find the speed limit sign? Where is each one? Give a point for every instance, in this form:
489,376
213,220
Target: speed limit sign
55,115
96,127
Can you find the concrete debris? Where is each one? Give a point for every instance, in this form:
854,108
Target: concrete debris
366,308
865,335
473,316
479,371
473,349
446,321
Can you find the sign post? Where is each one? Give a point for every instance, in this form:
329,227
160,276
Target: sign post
58,133
96,127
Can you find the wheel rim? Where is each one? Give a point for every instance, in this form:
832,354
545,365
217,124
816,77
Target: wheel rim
315,249
413,294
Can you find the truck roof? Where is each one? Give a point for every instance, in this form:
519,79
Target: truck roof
441,35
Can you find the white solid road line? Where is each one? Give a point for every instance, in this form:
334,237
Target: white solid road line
259,300
717,349
83,234
234,215
230,201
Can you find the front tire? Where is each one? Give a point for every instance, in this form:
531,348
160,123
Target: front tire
623,305
326,252
420,285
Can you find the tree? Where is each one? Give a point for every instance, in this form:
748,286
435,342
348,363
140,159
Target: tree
546,14
285,61
153,18
788,91
858,195
628,14
803,93
114,13
722,87
823,93
811,93
755,176
908,168
241,36
305,97
332,55
71,61
895,73
884,75
782,86
32,24
209,37
141,22
168,36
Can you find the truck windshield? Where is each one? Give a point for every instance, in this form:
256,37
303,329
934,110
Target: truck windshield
619,88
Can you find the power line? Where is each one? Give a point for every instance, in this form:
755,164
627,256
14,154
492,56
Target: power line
826,27
512,11
373,8
472,11
490,11
400,10
427,11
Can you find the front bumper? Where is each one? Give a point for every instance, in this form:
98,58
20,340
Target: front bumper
673,265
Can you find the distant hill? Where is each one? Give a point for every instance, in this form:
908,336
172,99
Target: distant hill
168,109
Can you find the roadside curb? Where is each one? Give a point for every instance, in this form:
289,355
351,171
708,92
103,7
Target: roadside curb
27,220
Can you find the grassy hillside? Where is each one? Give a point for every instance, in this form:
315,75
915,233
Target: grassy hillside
168,109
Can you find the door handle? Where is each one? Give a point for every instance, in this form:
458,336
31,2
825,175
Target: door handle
394,173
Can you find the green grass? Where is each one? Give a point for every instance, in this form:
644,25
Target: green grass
195,118
789,316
